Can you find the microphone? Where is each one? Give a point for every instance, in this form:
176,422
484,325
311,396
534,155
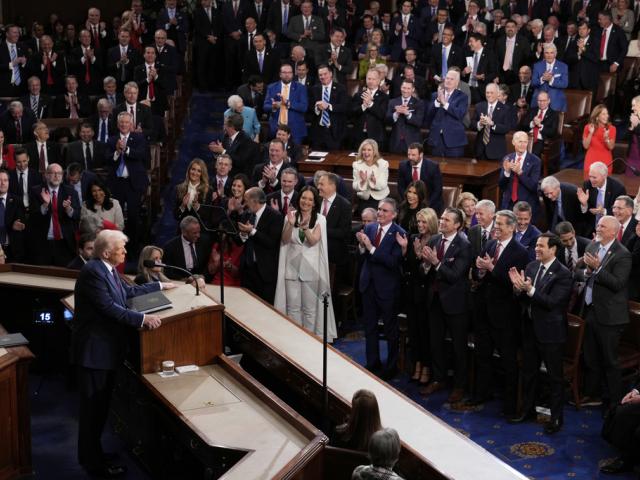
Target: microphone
152,264
633,169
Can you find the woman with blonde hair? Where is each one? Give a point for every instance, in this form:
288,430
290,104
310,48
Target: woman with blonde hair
377,40
371,59
362,423
467,203
193,192
598,139
146,274
370,176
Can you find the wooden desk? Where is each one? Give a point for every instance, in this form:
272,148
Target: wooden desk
455,171
576,177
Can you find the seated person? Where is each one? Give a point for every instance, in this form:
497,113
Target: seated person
362,423
85,251
384,451
231,262
100,204
146,274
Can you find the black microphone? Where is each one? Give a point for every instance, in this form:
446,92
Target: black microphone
633,169
152,264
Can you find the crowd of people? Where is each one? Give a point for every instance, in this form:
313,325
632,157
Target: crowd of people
480,266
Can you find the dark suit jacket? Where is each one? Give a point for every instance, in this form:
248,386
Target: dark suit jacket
592,11
14,210
527,182
160,103
270,66
340,104
570,208
431,176
461,37
529,240
515,90
8,124
62,110
382,270
632,243
53,155
136,160
231,22
372,118
172,65
33,178
581,243
549,301
113,57
96,123
455,59
344,60
277,196
339,230
265,244
613,190
144,118
44,108
178,33
496,149
174,255
549,128
75,153
584,71
256,176
261,19
447,122
101,317
413,36
617,45
487,65
520,57
6,88
274,18
80,70
248,99
405,131
452,276
244,152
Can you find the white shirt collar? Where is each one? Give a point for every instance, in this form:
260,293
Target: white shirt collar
110,267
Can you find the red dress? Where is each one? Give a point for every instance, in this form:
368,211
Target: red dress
231,278
598,151
8,161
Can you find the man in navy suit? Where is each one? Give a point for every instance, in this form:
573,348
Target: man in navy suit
445,55
492,121
369,109
405,114
13,63
23,178
526,233
613,48
544,289
260,61
337,211
416,167
287,103
122,59
405,31
127,157
380,278
542,122
552,76
207,42
329,100
97,345
482,66
498,316
12,222
447,259
520,175
561,203
444,118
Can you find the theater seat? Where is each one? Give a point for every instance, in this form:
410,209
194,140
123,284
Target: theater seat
571,360
576,116
450,195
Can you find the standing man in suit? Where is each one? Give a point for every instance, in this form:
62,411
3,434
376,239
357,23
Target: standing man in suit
406,31
583,60
13,63
244,152
368,109
252,93
39,103
520,175
260,233
493,121
561,203
512,51
103,121
542,122
447,259
86,63
286,196
12,222
54,213
337,211
189,250
141,116
258,11
597,196
551,76
521,93
151,79
405,114
380,277
445,55
482,67
329,100
337,56
167,56
444,118
99,331
85,151
127,157
417,167
176,23
42,152
287,103
279,17
306,29
23,179
122,59
267,175
613,44
498,313
465,24
544,289
71,103
260,61
526,233
207,36
623,211
17,124
605,268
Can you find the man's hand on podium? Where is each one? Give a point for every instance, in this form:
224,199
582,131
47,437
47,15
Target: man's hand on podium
168,285
151,321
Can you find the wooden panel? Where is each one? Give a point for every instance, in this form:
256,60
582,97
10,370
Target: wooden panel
8,423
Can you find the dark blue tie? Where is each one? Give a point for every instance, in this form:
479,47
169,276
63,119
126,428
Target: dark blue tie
116,279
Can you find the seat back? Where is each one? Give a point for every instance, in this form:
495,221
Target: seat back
339,463
606,86
578,104
575,334
450,195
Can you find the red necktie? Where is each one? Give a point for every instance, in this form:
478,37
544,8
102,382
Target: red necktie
57,233
496,254
516,182
285,205
96,37
220,186
530,11
415,176
325,207
18,131
536,129
440,251
603,42
376,241
87,74
620,233
42,166
49,73
152,91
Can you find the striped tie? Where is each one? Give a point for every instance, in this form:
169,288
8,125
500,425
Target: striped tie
16,68
324,119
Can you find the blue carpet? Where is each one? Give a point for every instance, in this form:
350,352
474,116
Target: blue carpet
574,452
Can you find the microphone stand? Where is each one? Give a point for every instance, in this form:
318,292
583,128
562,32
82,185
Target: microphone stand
633,169
325,390
151,264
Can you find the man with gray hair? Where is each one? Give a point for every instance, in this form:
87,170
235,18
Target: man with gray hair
189,250
482,231
520,175
597,195
623,211
17,124
561,203
141,114
552,76
492,120
39,103
497,315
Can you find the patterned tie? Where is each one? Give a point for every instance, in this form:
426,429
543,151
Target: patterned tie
599,203
473,81
260,61
57,232
486,134
588,291
570,259
87,72
17,80
516,182
324,117
603,44
72,106
194,258
440,252
133,116
34,106
284,111
405,22
103,130
415,175
485,237
496,254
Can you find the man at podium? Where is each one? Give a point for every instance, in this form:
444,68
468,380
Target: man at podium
100,323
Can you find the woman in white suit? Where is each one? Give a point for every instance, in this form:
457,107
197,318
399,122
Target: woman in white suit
370,176
303,270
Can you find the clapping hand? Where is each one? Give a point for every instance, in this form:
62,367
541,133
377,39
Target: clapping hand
66,204
592,261
591,128
583,197
216,147
291,217
632,397
363,240
484,263
402,240
430,255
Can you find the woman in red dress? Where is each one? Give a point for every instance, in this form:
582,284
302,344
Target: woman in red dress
598,139
7,160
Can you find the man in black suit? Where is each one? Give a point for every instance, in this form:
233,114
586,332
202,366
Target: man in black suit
111,93
464,28
13,63
512,52
405,114
151,80
86,151
492,122
234,14
337,56
80,179
483,69
258,10
623,211
286,197
122,59
368,110
597,195
267,175
71,103
260,233
521,93
250,30
103,121
574,245
613,49
446,54
86,64
447,260
587,11
99,334
167,56
12,222
329,102
433,33
293,152
417,167
244,152
605,268
23,179
38,103
260,61
141,114
42,152
561,203
411,60
54,212
85,251
544,289
207,43
175,22
280,14
498,312
542,122
583,59
337,211
189,250
407,72
252,94
17,124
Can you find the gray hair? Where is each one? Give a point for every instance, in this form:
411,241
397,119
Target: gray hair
549,182
108,80
487,205
628,201
391,202
384,448
522,206
234,100
290,171
368,210
103,102
550,47
130,85
519,133
508,214
106,240
256,194
186,221
125,114
16,105
599,167
537,22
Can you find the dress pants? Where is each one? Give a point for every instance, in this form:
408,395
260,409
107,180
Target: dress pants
53,252
624,431
600,350
323,138
533,352
131,199
302,302
374,308
439,324
95,388
441,149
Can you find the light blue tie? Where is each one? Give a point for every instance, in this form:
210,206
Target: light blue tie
260,61
324,119
444,63
16,68
588,294
599,203
285,19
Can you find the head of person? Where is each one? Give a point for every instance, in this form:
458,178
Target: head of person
604,19
233,124
99,195
155,254
368,151
547,247
160,37
325,75
384,448
86,244
372,52
372,79
239,186
74,173
451,221
415,153
505,225
22,159
409,73
364,418
250,24
110,247
572,28
12,33
4,182
503,93
491,92
298,53
550,187
524,74
467,202
520,142
522,211
259,42
476,42
441,17
548,33
306,8
190,229
598,173
197,172
427,222
415,195
277,152
85,38
635,105
550,52
86,132
109,85
131,92
536,25
387,211
255,199
566,233
235,103
327,185
104,108
124,37
34,86
150,55
224,164
286,73
407,89
451,80
607,229
125,123
93,15
599,116
543,101
54,175
410,55
383,70
623,208
337,37
41,132
367,22
584,29
368,216
485,212
302,70
448,33
288,180
256,84
309,202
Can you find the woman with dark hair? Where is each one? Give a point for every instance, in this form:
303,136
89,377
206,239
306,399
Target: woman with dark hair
101,205
192,192
303,270
231,255
598,139
7,160
415,199
362,423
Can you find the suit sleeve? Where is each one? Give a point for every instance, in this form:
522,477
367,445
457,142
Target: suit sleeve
558,295
435,188
616,279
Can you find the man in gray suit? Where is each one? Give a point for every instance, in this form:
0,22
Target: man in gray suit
307,29
605,268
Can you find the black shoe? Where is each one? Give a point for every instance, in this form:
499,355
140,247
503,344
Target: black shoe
553,426
389,373
524,417
375,368
619,465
